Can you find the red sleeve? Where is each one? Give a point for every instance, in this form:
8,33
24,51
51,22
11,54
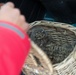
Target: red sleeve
14,48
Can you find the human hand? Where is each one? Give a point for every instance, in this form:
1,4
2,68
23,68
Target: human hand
10,14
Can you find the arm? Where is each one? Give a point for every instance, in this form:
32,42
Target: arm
14,44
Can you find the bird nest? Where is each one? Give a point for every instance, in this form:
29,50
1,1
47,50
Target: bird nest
55,52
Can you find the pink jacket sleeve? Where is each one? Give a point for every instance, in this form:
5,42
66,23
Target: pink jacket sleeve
14,48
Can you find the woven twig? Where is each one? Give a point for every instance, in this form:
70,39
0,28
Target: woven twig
66,67
33,66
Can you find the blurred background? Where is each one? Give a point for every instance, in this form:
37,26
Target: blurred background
52,10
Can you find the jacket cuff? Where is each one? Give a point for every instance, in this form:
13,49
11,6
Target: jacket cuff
13,27
17,30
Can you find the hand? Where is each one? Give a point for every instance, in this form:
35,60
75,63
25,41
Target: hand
10,14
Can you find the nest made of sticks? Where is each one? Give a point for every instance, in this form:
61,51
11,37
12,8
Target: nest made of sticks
57,41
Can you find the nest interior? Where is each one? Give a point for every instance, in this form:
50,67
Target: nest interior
56,42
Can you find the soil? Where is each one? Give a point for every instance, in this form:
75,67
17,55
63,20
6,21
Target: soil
56,42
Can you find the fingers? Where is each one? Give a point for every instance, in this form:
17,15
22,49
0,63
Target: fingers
8,5
26,26
22,18
17,11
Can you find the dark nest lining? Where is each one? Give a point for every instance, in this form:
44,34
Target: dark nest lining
56,42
